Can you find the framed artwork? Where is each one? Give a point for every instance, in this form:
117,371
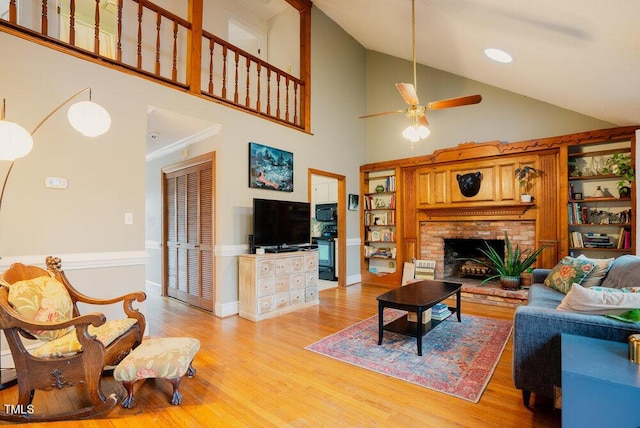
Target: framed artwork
270,168
577,196
353,202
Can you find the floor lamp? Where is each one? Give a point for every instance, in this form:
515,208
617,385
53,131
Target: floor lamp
86,117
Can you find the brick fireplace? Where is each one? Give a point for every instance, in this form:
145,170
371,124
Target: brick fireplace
434,233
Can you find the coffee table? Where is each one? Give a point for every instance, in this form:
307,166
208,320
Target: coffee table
416,297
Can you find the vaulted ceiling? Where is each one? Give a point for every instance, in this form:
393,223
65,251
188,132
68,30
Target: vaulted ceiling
582,55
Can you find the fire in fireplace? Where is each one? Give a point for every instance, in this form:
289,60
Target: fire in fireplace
456,250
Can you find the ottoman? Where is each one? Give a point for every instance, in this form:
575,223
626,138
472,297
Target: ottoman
168,358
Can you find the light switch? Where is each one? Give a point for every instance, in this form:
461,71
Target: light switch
55,183
128,218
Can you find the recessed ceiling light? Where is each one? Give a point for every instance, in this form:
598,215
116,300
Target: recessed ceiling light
498,55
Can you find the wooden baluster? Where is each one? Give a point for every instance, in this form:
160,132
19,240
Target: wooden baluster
96,29
72,22
237,60
259,68
295,103
286,116
174,71
158,24
119,36
45,18
278,99
268,91
140,10
224,71
13,11
211,47
247,102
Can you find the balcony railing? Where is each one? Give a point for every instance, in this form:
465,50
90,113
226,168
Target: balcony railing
143,37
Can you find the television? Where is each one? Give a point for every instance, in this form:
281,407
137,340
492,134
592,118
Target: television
281,225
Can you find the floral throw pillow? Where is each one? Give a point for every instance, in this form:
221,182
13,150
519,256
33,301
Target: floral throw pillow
42,299
568,271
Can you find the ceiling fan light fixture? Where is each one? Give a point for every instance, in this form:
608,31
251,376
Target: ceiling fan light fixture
415,133
499,55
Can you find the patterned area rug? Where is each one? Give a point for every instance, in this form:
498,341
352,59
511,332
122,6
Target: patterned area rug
457,358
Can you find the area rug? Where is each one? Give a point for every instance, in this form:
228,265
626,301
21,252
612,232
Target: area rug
457,358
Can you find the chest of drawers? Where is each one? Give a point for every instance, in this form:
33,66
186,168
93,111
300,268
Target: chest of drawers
272,284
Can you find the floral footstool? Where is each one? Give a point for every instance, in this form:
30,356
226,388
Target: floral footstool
169,358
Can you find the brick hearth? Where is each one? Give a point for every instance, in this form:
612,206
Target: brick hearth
433,234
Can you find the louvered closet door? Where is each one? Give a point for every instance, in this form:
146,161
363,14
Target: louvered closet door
189,243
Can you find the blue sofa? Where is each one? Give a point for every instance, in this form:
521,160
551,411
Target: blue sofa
537,328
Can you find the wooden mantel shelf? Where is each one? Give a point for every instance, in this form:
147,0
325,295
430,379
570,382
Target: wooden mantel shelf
516,209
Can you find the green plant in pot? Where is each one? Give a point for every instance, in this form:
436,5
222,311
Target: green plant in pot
510,268
620,165
525,175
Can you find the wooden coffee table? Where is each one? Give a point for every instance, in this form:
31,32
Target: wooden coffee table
416,297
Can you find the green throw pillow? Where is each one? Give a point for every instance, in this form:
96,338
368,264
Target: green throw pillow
568,271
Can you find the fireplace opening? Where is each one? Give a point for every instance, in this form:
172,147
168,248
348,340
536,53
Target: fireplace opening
457,249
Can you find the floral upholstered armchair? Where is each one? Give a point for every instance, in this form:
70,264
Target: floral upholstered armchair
72,349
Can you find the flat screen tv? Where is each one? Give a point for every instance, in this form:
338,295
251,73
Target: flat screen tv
281,225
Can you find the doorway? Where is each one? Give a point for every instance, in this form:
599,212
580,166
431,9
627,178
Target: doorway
188,231
327,187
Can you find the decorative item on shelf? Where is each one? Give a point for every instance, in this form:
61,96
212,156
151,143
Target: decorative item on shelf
509,267
597,165
599,193
577,196
624,192
525,176
620,165
379,188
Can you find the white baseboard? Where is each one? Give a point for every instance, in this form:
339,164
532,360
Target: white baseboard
223,310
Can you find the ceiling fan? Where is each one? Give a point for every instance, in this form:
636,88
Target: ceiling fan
419,127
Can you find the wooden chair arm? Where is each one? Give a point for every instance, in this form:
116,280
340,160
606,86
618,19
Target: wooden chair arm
54,265
14,319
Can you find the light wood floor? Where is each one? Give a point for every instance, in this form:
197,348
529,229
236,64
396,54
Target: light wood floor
260,375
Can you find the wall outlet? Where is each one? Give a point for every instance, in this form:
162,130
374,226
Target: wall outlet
128,218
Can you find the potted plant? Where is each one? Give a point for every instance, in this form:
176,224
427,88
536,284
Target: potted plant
525,174
510,268
620,165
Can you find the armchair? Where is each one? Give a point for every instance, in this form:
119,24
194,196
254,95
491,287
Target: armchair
42,304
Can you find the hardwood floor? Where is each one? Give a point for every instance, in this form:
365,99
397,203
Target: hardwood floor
259,374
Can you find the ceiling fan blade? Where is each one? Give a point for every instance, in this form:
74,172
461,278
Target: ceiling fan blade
381,114
454,102
408,92
423,121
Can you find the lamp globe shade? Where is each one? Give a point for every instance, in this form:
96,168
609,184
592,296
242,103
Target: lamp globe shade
89,118
15,141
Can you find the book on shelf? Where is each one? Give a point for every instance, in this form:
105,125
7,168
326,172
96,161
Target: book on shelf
440,307
441,316
624,239
379,252
425,269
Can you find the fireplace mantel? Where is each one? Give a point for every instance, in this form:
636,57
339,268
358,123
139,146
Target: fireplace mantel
476,211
